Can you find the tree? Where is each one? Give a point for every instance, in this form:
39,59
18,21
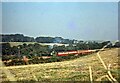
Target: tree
6,49
117,44
59,48
14,50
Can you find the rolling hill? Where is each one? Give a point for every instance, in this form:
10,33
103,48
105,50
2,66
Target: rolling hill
72,70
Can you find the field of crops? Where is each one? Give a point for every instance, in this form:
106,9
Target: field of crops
72,70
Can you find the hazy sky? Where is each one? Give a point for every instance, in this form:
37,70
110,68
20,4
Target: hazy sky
74,20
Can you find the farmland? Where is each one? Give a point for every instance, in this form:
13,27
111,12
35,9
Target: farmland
71,70
21,43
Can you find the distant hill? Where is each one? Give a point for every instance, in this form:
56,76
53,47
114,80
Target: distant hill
22,38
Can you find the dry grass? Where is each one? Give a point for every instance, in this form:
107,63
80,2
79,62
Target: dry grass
72,70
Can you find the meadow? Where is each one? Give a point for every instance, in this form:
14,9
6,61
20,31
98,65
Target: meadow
71,70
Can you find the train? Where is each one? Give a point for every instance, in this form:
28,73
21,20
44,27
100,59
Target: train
75,52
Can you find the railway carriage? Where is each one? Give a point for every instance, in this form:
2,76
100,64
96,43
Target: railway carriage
75,52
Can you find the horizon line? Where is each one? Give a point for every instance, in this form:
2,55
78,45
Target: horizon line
54,37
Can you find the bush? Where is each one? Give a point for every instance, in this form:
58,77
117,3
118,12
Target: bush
14,62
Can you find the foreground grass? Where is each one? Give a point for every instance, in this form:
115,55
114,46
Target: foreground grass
72,70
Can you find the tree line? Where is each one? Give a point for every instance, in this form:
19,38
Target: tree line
22,38
35,52
27,50
38,49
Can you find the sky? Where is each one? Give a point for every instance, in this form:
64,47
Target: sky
72,20
0,17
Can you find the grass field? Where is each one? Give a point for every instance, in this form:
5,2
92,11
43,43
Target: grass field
72,70
21,43
18,43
